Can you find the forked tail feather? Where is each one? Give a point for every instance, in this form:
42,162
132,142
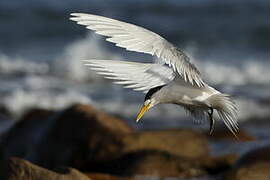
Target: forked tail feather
226,110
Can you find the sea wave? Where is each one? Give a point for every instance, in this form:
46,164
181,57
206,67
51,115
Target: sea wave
251,71
60,82
68,65
18,65
19,100
246,72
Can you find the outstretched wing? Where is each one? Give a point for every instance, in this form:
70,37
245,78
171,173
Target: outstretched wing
138,76
135,38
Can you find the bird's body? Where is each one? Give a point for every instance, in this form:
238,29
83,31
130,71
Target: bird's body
171,80
181,93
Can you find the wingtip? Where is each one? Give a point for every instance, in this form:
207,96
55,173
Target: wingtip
79,14
87,61
73,18
75,14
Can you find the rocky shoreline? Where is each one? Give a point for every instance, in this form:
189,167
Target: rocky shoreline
82,143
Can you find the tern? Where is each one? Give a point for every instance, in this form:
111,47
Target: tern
173,79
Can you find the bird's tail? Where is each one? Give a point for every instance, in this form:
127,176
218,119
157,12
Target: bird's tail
226,110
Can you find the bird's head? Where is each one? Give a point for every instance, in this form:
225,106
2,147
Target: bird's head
151,99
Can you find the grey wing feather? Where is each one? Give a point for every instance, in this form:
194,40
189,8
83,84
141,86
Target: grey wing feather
137,76
135,38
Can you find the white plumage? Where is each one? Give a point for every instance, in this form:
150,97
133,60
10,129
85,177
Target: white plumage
135,38
138,76
172,79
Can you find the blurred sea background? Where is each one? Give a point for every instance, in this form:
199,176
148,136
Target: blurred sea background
41,52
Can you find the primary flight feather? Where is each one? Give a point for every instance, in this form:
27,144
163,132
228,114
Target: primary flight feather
173,79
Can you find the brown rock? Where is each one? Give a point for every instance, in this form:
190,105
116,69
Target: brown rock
152,163
257,171
22,138
6,120
111,123
73,137
18,169
162,164
81,135
4,111
219,164
255,164
100,176
181,142
254,156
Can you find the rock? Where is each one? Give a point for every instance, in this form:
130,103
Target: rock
254,156
181,142
81,135
5,113
18,169
22,138
100,176
255,164
74,137
256,171
218,164
6,120
161,164
225,134
2,160
151,163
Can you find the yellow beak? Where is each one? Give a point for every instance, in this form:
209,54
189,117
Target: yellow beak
142,111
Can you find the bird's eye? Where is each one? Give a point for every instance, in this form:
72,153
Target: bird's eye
147,102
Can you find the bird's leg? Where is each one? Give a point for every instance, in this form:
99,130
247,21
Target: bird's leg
212,120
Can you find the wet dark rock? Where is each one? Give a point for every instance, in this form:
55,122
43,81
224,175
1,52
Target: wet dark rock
18,169
161,164
151,163
255,164
6,120
73,137
254,156
81,135
100,176
2,160
181,142
4,113
219,164
22,138
256,171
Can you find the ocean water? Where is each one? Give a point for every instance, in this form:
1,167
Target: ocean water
41,52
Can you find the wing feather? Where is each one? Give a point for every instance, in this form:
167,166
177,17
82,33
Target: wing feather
137,76
135,38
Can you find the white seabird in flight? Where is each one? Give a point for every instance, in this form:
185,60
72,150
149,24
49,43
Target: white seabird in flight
173,79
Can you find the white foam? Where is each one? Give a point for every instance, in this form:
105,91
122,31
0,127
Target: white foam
50,93
40,88
248,72
10,65
69,64
248,108
19,100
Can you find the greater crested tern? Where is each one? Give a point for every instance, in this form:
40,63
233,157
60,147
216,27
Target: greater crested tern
173,79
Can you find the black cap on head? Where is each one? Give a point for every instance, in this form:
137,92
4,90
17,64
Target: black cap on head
152,91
